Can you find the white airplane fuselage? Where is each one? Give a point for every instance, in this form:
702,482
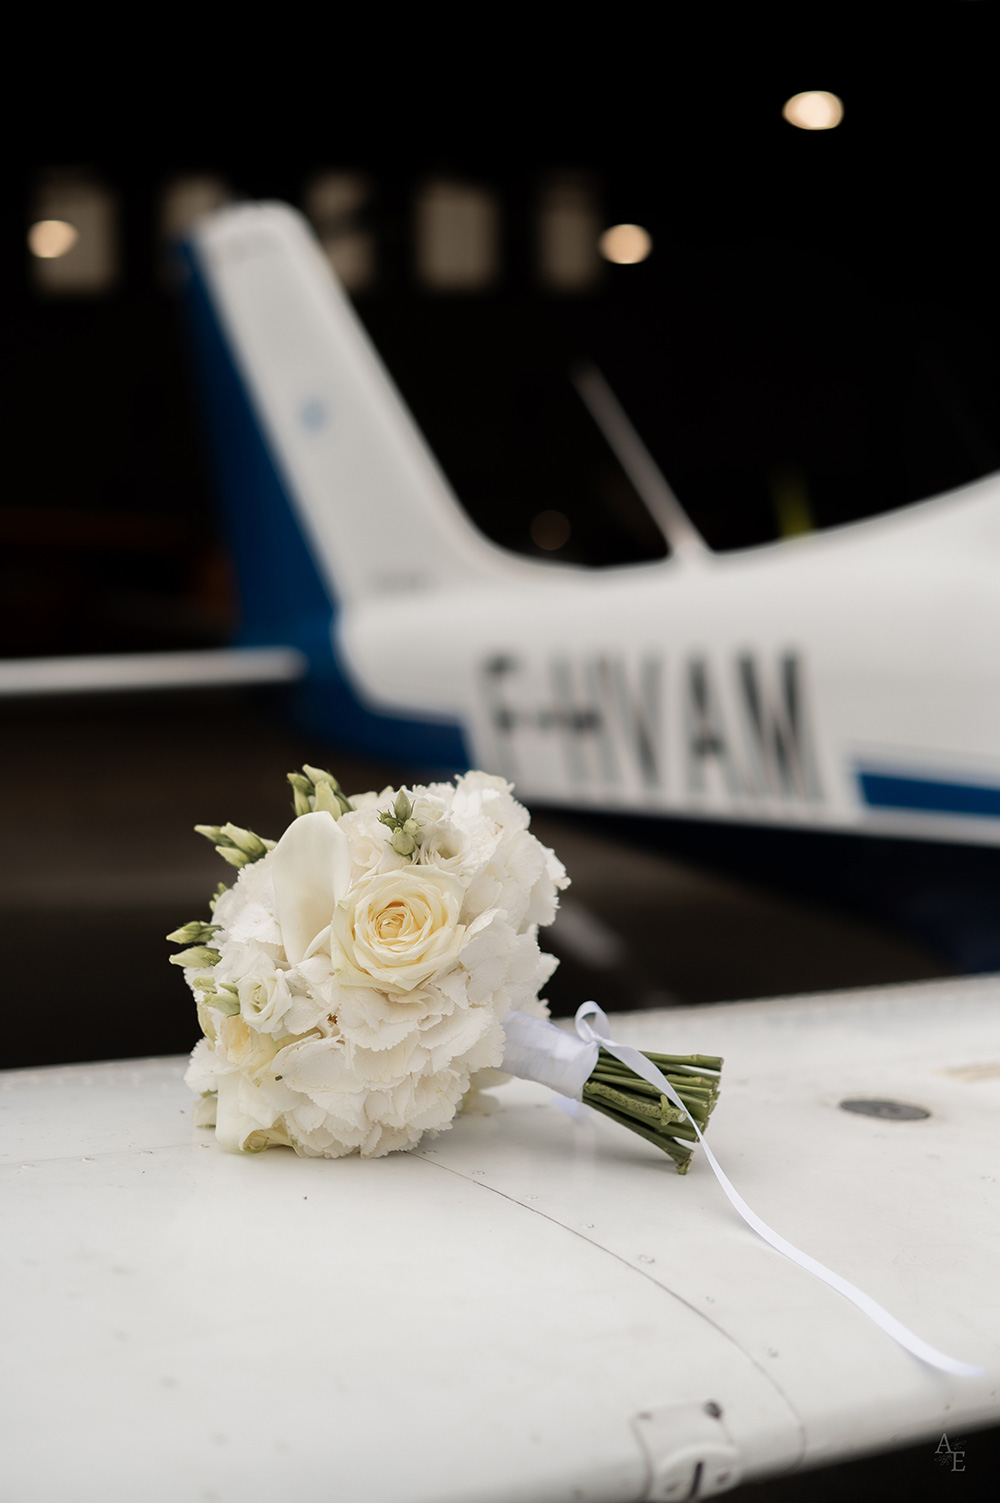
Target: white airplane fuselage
845,680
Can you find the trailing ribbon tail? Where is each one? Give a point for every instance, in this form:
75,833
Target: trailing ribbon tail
643,1067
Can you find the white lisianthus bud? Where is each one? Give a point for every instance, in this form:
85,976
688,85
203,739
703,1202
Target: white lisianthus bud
234,856
398,928
325,799
195,956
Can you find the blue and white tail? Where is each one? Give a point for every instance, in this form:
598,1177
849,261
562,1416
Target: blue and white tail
332,496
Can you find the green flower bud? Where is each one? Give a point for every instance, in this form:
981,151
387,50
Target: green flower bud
233,856
197,955
402,808
327,800
246,841
320,775
195,933
214,833
234,844
224,1003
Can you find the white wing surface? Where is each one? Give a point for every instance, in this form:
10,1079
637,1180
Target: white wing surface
529,1307
131,671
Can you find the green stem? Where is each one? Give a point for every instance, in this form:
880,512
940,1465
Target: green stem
681,1156
615,1090
696,1061
699,1103
682,1086
660,1113
685,1064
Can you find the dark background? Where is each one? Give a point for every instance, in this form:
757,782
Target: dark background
820,309
820,305
817,304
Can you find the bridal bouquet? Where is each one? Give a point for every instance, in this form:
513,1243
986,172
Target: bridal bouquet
380,962
368,971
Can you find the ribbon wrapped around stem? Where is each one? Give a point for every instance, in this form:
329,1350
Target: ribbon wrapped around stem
538,1050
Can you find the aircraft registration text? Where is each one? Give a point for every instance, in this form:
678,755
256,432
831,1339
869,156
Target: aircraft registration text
648,730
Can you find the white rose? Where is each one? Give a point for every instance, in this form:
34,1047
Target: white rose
398,928
244,1048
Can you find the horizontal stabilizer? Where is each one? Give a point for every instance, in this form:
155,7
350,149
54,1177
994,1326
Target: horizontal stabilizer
152,670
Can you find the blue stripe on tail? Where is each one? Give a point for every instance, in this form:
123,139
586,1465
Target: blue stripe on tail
283,597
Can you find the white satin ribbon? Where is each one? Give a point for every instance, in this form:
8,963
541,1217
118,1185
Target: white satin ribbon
536,1050
598,1036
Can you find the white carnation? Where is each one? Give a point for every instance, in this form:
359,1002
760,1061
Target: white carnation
370,849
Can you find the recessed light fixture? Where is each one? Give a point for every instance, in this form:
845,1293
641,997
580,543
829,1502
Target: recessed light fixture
816,110
625,244
50,238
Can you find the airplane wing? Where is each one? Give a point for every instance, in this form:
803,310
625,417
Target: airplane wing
527,1306
110,673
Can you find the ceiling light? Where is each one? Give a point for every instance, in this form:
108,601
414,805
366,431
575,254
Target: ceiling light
51,238
625,244
815,110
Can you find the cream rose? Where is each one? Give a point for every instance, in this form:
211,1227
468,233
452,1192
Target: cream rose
398,928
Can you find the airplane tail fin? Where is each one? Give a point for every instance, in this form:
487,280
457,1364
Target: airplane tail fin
330,492
373,507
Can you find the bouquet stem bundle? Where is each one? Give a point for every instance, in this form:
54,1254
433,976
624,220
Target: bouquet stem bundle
615,1090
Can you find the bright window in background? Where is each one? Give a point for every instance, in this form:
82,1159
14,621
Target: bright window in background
73,236
568,228
815,110
457,236
185,200
335,202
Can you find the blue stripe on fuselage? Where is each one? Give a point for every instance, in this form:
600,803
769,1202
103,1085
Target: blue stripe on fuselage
284,599
886,790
